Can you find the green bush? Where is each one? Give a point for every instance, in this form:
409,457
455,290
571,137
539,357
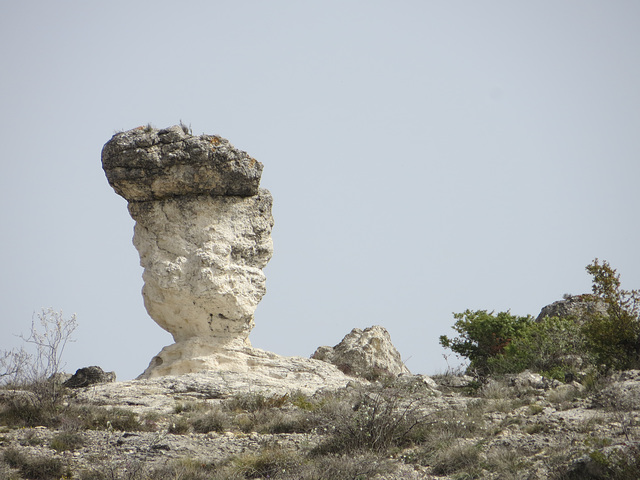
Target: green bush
482,335
554,347
614,338
504,343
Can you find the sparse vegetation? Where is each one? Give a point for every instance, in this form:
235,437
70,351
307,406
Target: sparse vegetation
500,423
374,422
556,347
65,441
614,338
35,467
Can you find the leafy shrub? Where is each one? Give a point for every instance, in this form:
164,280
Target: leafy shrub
554,346
614,338
482,335
303,402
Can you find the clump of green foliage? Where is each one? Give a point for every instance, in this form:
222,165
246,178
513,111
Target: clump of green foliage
553,346
557,347
483,335
614,338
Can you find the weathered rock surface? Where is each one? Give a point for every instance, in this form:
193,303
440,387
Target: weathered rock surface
87,376
262,373
520,427
623,394
365,353
148,164
576,306
203,258
203,232
237,367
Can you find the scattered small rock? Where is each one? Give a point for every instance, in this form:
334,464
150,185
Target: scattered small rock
89,376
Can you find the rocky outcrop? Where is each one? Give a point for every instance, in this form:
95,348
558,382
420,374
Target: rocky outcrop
203,258
622,394
87,376
366,353
203,232
519,427
574,306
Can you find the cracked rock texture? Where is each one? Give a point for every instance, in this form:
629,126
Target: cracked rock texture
574,306
148,164
203,258
366,353
203,232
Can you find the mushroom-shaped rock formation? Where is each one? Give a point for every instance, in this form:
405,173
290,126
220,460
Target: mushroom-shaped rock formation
203,232
203,229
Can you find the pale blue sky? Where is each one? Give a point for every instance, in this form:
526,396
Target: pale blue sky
424,157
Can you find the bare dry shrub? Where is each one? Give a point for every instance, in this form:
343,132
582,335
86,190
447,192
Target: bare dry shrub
373,422
38,371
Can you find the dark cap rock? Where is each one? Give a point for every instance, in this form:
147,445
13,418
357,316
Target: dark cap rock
150,164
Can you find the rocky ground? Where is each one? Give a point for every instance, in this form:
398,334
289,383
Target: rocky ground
409,427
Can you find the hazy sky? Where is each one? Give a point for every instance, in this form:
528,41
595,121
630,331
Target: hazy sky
424,158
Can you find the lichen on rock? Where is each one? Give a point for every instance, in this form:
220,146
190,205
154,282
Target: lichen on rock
149,164
203,232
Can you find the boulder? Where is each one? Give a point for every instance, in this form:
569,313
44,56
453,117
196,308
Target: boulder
149,164
366,353
87,376
623,394
575,306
